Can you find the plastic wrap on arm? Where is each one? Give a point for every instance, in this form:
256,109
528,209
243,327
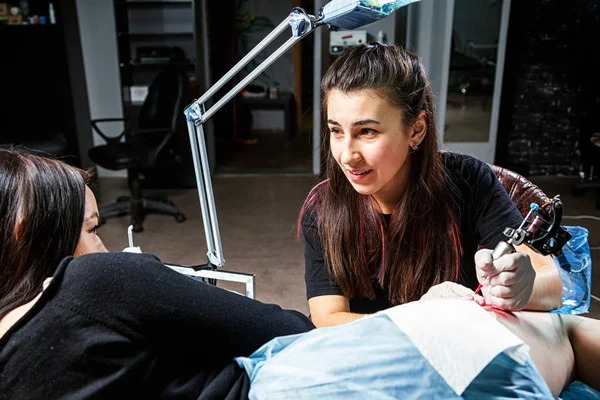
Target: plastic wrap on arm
575,272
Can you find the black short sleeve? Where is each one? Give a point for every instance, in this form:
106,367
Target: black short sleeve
489,207
316,276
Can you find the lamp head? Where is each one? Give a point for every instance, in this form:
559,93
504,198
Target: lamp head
352,14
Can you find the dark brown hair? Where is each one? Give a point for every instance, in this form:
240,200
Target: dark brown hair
42,203
421,245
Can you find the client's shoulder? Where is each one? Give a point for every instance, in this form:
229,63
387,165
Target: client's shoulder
115,259
113,266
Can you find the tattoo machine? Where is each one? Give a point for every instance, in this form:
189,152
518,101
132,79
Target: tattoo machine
540,231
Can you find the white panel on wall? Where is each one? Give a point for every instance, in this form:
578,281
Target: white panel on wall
429,33
101,65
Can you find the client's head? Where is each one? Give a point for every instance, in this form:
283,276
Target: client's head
47,213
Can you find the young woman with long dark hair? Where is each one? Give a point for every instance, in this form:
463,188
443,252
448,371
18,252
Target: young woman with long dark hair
394,215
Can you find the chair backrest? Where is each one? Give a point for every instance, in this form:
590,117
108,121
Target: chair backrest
521,191
163,107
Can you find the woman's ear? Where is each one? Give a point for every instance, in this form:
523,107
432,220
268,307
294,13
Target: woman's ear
419,129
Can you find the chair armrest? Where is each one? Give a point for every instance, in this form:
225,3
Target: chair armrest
109,120
521,191
107,138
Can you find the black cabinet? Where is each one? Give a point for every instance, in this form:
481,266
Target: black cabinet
42,90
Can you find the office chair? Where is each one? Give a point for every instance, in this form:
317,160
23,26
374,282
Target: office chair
157,122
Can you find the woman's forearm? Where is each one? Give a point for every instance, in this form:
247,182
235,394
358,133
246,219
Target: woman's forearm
337,318
547,290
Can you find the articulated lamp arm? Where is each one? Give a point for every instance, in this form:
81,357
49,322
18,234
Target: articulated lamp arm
344,14
196,115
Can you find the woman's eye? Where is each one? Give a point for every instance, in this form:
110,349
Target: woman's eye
335,131
368,132
94,229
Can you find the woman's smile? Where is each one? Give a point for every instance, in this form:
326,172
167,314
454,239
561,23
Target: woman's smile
357,175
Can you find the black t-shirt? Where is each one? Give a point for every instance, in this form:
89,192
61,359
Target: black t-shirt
124,326
486,210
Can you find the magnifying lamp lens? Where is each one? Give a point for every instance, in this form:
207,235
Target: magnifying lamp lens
385,6
352,14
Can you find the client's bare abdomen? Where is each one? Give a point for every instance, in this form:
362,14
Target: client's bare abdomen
549,344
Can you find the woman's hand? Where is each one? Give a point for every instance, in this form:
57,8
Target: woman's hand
451,290
507,281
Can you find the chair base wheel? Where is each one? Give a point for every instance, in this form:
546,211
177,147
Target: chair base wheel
138,209
138,228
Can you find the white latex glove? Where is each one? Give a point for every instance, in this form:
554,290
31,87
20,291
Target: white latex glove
451,290
507,281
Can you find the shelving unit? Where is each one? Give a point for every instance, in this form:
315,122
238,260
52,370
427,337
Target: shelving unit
158,2
155,24
156,34
147,24
188,65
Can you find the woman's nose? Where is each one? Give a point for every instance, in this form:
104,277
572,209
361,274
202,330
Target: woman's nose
350,152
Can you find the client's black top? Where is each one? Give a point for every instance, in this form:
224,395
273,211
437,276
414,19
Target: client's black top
124,326
485,211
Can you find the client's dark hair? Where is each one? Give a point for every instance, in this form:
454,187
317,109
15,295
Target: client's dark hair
42,203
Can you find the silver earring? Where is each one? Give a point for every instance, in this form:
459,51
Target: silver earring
415,147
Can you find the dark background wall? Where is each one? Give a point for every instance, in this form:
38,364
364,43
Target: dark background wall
42,90
550,91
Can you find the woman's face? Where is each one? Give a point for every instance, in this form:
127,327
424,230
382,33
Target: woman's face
370,144
89,241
